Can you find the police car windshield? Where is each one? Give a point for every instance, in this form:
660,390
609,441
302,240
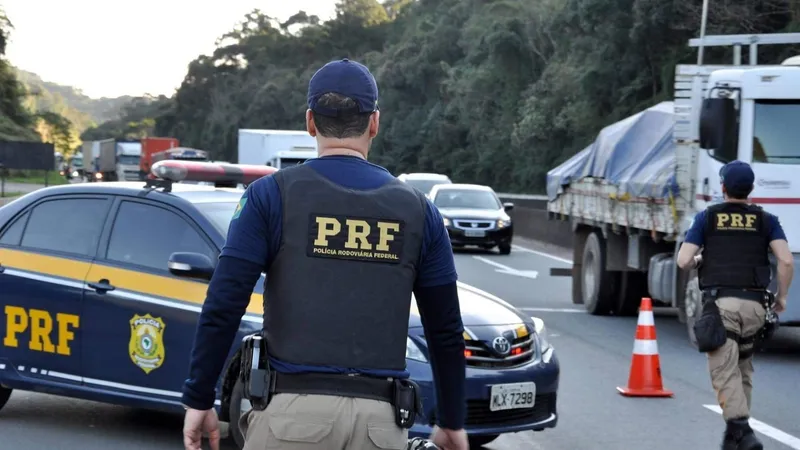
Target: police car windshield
219,213
467,198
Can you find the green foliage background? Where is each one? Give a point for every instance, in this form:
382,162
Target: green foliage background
487,91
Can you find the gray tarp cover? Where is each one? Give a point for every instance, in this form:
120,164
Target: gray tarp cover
637,154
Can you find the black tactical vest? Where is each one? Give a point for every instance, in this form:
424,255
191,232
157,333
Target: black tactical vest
339,290
736,246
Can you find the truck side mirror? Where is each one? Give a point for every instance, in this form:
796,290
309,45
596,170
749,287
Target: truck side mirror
719,127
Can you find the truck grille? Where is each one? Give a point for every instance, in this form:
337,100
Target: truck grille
480,353
479,414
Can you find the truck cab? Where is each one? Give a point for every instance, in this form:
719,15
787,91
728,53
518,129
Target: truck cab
128,155
291,158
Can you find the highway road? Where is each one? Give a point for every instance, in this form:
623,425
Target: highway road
595,355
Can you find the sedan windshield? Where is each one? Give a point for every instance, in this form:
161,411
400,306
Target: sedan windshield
470,199
219,214
425,186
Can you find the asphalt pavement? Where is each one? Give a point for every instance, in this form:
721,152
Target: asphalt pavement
595,356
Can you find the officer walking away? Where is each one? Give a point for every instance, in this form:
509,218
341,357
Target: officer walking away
344,244
734,272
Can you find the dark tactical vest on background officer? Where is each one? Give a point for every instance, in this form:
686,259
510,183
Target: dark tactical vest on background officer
736,248
339,289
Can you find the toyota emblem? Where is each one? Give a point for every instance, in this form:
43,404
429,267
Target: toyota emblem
501,345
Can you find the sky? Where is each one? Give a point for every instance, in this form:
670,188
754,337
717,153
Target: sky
109,48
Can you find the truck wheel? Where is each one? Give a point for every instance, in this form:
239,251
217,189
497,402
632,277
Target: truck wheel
237,407
633,286
5,394
597,285
693,306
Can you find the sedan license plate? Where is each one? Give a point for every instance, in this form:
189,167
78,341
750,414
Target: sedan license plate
512,396
474,233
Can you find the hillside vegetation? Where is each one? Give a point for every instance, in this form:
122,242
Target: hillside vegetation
16,122
488,91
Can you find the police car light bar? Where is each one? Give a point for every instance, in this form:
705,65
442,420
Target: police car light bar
178,170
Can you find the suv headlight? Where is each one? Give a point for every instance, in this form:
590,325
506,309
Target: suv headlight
503,223
413,351
447,222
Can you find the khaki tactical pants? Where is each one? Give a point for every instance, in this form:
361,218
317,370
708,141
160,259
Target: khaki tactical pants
312,422
731,377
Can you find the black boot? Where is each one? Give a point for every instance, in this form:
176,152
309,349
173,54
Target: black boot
739,436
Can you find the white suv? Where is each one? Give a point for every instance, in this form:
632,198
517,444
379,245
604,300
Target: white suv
424,182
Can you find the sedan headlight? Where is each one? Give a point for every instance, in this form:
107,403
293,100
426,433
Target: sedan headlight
447,222
413,351
503,223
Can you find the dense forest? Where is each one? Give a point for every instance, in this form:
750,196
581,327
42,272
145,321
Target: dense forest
487,91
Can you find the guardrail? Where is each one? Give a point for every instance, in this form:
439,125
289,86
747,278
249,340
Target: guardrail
529,217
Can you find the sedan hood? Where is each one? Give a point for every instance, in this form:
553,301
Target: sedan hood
477,308
466,213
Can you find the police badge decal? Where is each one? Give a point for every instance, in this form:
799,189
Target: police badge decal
146,347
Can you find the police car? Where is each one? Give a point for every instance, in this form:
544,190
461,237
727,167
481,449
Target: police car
102,284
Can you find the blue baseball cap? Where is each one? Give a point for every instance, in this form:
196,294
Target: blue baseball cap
737,175
347,78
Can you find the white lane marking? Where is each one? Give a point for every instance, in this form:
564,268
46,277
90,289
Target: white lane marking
546,255
559,310
647,347
767,430
508,270
646,318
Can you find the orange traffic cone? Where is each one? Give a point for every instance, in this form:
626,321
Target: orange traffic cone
645,375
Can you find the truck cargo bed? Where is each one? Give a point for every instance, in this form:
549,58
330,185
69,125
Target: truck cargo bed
630,176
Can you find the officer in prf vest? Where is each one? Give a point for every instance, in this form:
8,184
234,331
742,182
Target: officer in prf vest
344,244
734,272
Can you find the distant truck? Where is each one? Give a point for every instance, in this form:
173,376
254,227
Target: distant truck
91,155
277,148
631,195
151,146
180,153
127,166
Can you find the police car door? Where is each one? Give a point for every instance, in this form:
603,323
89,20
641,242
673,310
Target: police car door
46,252
140,319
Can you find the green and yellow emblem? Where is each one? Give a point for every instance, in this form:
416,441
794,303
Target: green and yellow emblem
239,207
146,347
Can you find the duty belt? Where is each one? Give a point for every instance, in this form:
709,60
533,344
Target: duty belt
359,386
744,294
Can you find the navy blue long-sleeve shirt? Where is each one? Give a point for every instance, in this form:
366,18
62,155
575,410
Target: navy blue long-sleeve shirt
253,239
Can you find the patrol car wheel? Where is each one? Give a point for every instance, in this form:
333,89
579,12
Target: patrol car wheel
692,306
237,407
479,441
5,393
599,286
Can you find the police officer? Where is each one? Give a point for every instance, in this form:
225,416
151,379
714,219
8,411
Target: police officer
734,270
344,244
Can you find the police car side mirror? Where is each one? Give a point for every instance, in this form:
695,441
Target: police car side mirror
508,206
190,265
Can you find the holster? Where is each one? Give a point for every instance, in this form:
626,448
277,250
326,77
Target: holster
255,371
771,324
709,331
407,402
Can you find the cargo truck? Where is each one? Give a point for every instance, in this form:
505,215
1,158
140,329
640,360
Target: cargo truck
151,146
91,154
127,165
631,195
277,148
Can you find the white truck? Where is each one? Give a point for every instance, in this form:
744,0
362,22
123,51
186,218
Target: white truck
91,155
127,160
277,148
632,194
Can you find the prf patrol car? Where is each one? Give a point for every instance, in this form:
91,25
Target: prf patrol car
101,285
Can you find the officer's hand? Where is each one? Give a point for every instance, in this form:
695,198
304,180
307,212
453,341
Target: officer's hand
198,422
780,304
450,439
